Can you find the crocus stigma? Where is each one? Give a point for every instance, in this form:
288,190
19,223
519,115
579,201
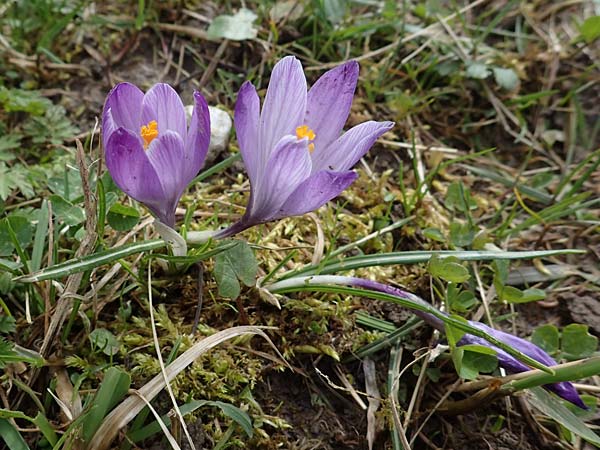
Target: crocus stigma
293,149
151,152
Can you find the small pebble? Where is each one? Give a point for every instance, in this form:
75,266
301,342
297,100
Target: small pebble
220,127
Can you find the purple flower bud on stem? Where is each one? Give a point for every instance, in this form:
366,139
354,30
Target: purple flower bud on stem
563,389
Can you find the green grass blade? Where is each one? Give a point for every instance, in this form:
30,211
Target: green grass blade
509,182
113,389
552,407
42,423
12,438
39,242
91,261
414,257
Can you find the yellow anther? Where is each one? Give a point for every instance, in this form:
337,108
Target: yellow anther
149,132
304,132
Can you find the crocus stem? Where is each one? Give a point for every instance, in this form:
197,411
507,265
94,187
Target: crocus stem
232,230
171,237
200,237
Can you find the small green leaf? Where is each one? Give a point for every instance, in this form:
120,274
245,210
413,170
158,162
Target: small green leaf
123,218
477,70
577,343
506,78
66,211
335,10
462,302
546,337
590,29
238,27
512,294
20,100
453,334
23,230
7,352
477,358
462,234
448,269
434,234
104,340
235,263
458,198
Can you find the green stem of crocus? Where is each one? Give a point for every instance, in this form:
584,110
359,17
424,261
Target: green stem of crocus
563,372
200,237
172,238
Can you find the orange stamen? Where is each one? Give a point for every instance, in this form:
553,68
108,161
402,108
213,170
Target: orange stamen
149,132
304,132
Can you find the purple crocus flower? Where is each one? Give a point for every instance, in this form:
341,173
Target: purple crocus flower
294,152
150,151
563,389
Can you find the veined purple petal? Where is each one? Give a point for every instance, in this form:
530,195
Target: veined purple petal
329,101
131,169
163,104
344,152
284,107
167,155
197,139
315,191
124,102
563,389
289,166
246,117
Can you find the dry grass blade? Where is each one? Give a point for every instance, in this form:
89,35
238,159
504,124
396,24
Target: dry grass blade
128,409
374,399
163,428
87,245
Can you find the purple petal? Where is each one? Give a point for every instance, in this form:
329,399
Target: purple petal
197,139
124,104
246,116
315,191
289,166
167,155
131,169
285,105
329,101
344,152
163,104
563,389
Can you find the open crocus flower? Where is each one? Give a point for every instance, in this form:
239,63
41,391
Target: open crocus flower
150,151
294,152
